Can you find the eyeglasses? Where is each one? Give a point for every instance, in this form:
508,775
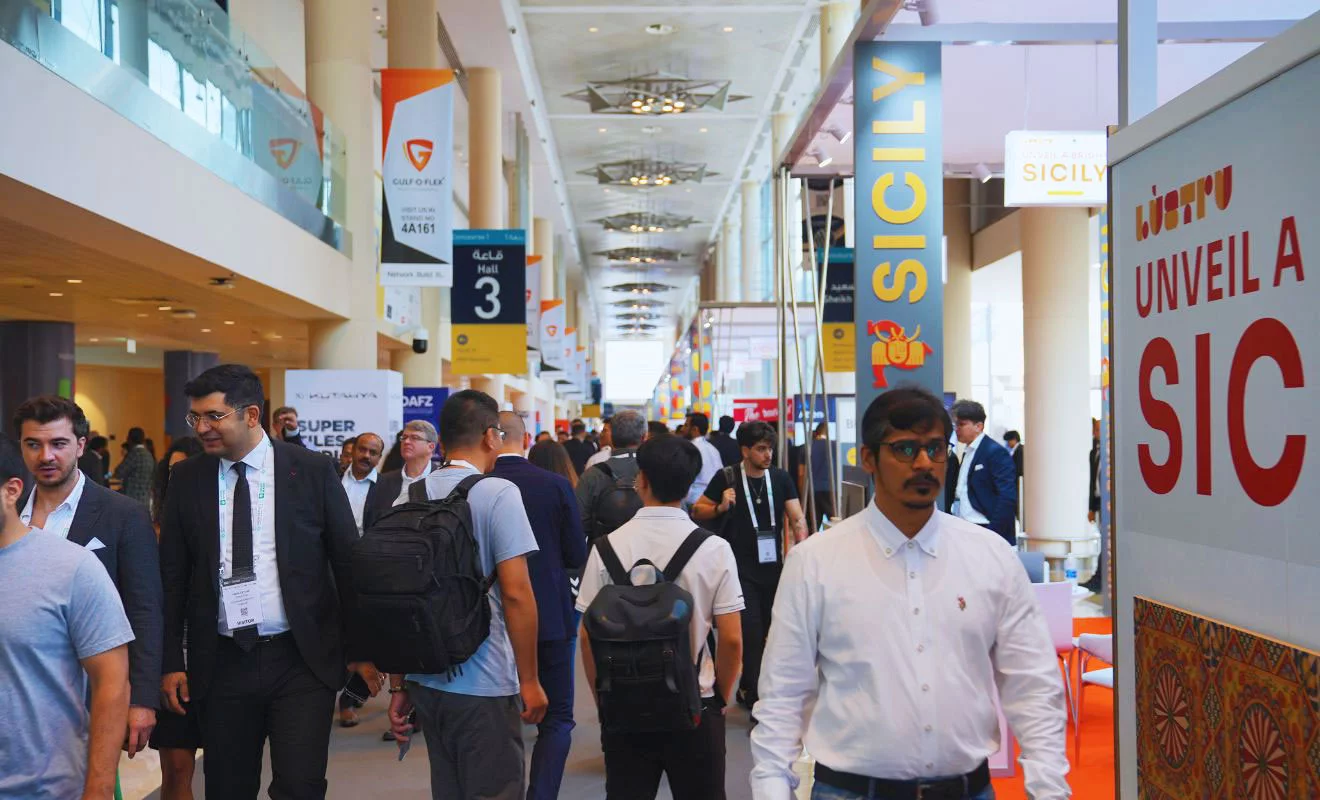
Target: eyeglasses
210,417
905,450
498,430
418,439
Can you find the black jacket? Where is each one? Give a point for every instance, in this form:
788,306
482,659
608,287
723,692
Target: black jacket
730,452
579,452
129,555
382,495
314,537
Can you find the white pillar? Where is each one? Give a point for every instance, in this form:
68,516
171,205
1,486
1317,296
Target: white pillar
1056,260
732,266
750,261
543,245
485,145
958,289
836,23
492,385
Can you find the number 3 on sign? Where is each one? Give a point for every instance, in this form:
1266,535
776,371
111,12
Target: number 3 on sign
492,288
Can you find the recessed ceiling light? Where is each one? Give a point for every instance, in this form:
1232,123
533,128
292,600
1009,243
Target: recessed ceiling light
57,294
659,29
276,336
254,341
602,130
142,315
93,339
74,280
206,330
704,130
229,322
728,29
164,308
592,29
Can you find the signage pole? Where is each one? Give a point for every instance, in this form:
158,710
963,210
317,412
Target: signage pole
781,366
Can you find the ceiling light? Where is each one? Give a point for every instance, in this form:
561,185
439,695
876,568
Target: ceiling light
74,280
602,130
728,29
229,322
659,29
703,130
825,162
254,341
592,29
276,336
840,135
164,308
982,173
822,160
93,339
57,294
142,315
206,330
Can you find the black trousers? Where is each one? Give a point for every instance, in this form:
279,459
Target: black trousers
693,760
759,595
824,508
268,693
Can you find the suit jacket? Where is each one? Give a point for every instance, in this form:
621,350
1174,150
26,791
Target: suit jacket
91,466
314,537
130,556
553,511
579,450
1019,457
381,496
992,487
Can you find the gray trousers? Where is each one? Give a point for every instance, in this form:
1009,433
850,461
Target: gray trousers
474,743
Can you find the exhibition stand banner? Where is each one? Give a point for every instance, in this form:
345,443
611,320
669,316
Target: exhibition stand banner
338,404
565,356
837,330
489,326
424,403
533,296
417,107
1049,168
899,212
288,144
1214,222
760,409
553,316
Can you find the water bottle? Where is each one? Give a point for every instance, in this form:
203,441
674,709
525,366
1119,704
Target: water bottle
1070,569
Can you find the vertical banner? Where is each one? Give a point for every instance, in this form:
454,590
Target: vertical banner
338,404
1106,457
837,329
533,295
899,217
490,274
567,357
418,208
552,333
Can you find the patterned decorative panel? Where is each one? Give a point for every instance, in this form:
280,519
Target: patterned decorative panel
1223,712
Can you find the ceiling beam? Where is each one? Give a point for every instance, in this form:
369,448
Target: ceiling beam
726,9
1084,33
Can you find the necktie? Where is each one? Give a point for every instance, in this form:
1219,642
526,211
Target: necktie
245,638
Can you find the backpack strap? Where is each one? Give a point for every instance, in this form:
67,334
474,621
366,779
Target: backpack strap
684,553
618,575
417,491
464,486
605,468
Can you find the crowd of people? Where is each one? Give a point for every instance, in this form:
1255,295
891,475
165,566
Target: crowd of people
243,611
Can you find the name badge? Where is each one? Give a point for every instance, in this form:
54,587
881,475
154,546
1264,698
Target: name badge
767,546
242,602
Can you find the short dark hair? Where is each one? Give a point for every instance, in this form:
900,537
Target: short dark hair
11,461
699,421
240,386
750,434
349,441
969,410
96,442
656,428
137,436
284,410
49,408
903,408
578,427
1014,435
671,464
726,424
465,418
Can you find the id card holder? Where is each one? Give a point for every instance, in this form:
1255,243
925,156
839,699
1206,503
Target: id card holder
242,602
767,546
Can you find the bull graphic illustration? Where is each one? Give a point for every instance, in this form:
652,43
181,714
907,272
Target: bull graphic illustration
894,348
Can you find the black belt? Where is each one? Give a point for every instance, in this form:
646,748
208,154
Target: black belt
958,788
265,639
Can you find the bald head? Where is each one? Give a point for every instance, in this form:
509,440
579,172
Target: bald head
515,433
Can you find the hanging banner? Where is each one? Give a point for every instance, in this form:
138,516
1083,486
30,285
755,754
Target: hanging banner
338,404
899,212
424,404
533,295
490,273
1055,168
553,314
567,359
837,330
418,206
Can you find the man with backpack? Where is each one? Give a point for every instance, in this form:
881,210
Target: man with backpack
606,493
660,687
470,712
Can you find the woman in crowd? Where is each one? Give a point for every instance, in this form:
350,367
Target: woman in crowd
552,456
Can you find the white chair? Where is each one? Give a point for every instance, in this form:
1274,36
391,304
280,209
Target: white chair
1100,647
1055,601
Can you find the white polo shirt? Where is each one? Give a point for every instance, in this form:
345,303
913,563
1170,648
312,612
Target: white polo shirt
357,491
711,577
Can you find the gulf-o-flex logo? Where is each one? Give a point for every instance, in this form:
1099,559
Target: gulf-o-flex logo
419,152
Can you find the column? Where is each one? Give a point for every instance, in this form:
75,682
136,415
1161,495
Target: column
35,358
492,385
751,260
958,288
485,157
182,366
543,245
1056,260
339,82
732,264
836,23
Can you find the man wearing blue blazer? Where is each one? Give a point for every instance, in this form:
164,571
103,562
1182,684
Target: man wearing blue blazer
552,510
986,491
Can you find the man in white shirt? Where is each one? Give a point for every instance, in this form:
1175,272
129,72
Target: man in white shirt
417,445
359,480
892,632
606,447
695,430
693,760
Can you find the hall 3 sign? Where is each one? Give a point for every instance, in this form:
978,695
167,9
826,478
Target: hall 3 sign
488,303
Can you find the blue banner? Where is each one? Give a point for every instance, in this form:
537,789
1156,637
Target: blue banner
424,403
899,217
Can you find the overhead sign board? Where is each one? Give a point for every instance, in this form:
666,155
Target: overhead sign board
488,305
1055,168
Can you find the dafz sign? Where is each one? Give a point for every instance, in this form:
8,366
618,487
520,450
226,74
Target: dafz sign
899,217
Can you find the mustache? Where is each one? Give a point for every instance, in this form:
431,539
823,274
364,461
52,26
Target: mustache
924,479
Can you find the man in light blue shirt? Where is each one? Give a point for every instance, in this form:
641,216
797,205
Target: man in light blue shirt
695,430
472,718
63,632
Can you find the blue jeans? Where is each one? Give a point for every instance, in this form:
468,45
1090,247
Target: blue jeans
823,792
554,736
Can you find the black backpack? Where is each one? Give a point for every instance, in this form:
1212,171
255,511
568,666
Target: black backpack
617,506
421,591
646,680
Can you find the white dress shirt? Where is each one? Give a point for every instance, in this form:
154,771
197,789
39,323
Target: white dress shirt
261,481
900,645
357,491
60,520
965,509
599,457
711,463
408,480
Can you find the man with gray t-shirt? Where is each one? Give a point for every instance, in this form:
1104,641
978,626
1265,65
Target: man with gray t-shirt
63,632
471,718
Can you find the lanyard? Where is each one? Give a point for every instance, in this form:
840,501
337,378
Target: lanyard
769,498
257,513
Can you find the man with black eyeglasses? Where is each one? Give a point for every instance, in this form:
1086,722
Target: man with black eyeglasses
892,631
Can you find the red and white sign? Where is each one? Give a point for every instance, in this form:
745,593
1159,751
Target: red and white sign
761,409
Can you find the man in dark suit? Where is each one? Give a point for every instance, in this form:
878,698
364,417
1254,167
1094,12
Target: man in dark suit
417,446
579,448
1013,441
52,432
256,538
730,452
986,490
553,512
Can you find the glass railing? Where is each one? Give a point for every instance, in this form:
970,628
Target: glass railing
181,70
